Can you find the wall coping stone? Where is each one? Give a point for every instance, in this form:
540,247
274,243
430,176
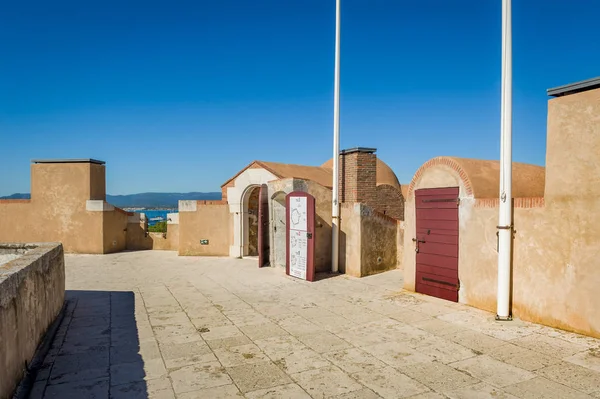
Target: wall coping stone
15,271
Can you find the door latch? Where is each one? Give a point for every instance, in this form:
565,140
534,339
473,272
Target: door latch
308,235
417,241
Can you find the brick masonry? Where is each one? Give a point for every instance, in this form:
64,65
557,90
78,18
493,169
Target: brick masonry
358,178
358,183
441,161
538,202
390,202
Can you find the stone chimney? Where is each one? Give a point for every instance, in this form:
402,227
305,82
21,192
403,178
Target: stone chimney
358,176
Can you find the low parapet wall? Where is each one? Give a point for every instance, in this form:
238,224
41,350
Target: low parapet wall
32,292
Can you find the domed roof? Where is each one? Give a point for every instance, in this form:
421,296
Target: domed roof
385,174
482,178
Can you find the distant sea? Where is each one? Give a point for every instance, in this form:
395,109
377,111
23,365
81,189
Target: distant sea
155,215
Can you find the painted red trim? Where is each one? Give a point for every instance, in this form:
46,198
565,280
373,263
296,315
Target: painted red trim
310,226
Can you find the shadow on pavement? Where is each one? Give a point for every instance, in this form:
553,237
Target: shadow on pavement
96,351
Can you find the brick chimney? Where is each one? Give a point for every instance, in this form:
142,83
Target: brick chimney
358,176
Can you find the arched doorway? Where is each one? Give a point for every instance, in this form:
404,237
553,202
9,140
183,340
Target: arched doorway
251,208
255,223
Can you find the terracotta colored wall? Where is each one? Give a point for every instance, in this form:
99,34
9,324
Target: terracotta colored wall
368,242
211,222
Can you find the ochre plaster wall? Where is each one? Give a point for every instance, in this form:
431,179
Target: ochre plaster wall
57,210
114,230
210,222
555,249
573,147
350,243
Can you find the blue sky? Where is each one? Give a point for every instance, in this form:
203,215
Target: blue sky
179,96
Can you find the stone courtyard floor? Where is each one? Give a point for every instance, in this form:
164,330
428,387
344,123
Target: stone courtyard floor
154,325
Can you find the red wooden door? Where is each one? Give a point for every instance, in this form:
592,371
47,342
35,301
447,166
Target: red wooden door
263,226
300,235
436,242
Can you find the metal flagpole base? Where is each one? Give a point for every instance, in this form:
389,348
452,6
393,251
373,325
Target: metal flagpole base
509,318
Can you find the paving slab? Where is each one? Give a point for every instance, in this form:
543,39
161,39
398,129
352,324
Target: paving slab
326,382
153,389
354,360
438,376
89,389
222,392
199,376
542,388
572,375
389,383
288,391
521,357
493,371
255,376
479,391
154,325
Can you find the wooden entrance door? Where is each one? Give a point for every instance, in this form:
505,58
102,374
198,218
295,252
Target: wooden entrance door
436,242
300,235
263,226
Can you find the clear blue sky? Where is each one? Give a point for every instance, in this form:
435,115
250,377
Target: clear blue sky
179,96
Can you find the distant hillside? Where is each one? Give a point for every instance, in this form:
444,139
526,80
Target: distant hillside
157,200
17,196
145,200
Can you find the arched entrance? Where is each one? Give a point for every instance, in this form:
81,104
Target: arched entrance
238,198
255,223
251,208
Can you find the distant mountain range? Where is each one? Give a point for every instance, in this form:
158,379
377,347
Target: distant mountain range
144,200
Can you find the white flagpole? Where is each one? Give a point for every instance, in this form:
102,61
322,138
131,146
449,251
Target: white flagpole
505,228
335,206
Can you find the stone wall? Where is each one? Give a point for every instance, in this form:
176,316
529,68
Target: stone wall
368,241
390,201
32,291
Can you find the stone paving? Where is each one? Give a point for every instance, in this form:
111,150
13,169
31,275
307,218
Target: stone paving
154,325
